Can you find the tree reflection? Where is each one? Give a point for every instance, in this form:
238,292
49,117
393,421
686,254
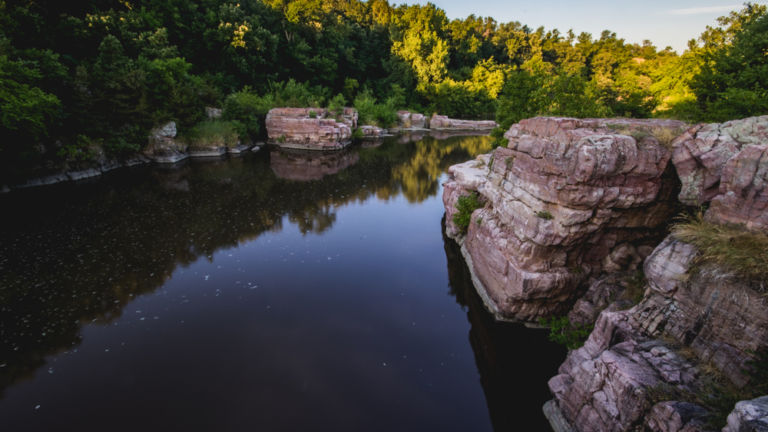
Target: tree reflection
77,254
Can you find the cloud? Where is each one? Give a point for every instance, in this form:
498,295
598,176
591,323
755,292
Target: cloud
704,10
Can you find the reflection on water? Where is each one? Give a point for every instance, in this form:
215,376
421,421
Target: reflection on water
277,290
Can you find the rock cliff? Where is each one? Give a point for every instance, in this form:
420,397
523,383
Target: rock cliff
572,203
564,200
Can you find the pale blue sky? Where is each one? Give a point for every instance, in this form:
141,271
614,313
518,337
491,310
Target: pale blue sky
665,23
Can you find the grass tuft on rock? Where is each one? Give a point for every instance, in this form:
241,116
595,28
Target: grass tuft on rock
729,247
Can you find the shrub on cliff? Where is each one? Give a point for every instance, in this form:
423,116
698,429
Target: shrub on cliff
466,205
373,113
731,248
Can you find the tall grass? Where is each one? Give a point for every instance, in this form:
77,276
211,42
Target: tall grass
214,133
731,248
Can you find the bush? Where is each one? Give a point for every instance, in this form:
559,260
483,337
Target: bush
466,205
731,248
249,109
372,113
566,333
294,94
214,133
544,214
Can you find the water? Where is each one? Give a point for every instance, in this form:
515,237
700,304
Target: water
277,291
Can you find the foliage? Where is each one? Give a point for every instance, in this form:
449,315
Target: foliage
544,214
566,333
111,71
729,247
249,109
371,112
465,205
214,133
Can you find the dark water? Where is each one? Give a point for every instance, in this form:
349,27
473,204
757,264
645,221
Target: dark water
277,291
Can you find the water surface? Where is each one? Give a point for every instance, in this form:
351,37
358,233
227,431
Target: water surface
281,291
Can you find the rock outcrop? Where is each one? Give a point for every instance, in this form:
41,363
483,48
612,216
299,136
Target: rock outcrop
712,319
372,132
163,147
310,128
409,120
565,200
726,164
441,122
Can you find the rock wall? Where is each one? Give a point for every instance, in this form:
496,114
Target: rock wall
565,200
310,128
411,120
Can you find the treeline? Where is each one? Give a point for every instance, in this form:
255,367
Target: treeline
83,78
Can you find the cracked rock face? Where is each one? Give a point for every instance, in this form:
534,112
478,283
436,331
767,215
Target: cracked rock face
727,164
565,200
310,128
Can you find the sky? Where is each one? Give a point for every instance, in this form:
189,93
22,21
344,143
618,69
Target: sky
664,22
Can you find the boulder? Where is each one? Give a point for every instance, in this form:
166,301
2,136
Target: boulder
749,416
369,131
310,128
163,147
409,120
213,113
566,200
441,122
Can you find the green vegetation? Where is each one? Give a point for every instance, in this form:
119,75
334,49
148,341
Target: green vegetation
466,205
544,214
214,133
731,248
110,71
564,332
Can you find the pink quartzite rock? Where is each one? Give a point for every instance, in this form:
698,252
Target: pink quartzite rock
719,320
566,199
743,193
440,122
310,128
702,153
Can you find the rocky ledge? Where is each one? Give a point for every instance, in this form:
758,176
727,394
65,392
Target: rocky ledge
310,128
441,122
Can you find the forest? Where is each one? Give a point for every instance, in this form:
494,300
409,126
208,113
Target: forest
83,78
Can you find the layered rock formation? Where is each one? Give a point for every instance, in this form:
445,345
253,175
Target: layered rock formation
310,128
565,200
726,164
709,322
441,122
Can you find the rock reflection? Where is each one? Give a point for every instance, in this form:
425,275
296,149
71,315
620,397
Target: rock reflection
502,354
74,254
307,165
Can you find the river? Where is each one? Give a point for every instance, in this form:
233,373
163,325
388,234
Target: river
278,291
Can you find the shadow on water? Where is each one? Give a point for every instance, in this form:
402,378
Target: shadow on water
509,356
74,255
